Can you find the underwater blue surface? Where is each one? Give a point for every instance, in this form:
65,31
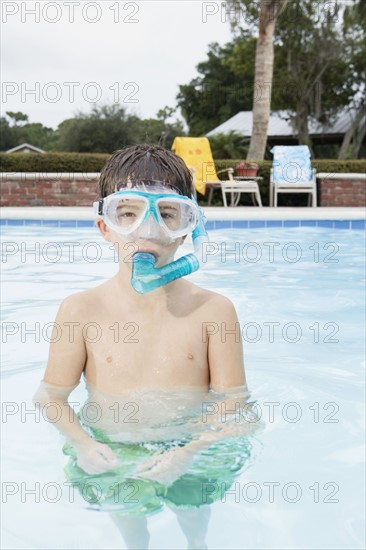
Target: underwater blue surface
299,293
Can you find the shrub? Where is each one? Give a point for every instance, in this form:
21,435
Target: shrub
52,162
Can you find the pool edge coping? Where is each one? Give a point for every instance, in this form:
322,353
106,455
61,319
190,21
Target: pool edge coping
240,213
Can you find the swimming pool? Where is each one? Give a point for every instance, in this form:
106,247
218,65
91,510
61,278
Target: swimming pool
299,292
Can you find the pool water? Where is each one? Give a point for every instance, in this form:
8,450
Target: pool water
299,293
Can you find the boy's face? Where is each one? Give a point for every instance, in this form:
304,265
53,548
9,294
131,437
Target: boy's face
126,245
147,235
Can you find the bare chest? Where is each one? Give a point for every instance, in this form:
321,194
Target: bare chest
136,352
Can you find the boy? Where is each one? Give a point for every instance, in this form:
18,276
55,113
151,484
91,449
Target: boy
170,350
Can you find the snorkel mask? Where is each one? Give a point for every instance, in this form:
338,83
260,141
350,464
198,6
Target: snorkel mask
150,209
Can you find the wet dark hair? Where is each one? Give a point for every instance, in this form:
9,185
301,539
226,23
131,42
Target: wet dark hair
144,162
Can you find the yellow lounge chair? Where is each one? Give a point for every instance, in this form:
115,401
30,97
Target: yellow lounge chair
196,153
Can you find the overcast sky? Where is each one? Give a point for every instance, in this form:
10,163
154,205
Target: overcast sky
134,53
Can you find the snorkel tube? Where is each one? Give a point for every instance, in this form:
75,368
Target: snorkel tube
147,277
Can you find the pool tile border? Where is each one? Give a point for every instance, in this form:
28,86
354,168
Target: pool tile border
211,224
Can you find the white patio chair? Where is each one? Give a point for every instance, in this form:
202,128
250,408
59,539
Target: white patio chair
292,173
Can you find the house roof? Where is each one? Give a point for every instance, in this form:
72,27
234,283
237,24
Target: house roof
22,146
280,126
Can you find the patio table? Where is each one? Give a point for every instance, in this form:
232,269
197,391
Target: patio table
235,197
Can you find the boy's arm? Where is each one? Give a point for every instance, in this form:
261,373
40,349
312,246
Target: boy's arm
66,363
67,357
225,348
227,374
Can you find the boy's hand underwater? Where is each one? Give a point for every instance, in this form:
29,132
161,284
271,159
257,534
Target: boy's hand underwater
167,467
95,458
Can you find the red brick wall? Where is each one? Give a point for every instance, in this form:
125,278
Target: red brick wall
49,190
348,190
82,189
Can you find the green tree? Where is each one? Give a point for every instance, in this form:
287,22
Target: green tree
319,69
318,61
224,85
110,127
104,130
355,44
38,135
8,138
312,77
160,130
33,133
17,117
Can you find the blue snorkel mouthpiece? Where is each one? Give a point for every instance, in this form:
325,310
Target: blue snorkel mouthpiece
147,277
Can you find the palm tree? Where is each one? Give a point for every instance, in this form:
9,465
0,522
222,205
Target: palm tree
263,16
268,12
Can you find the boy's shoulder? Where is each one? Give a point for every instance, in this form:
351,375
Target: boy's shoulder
81,302
187,297
210,301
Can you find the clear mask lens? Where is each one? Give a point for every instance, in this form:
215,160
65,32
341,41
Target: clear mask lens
125,212
176,215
